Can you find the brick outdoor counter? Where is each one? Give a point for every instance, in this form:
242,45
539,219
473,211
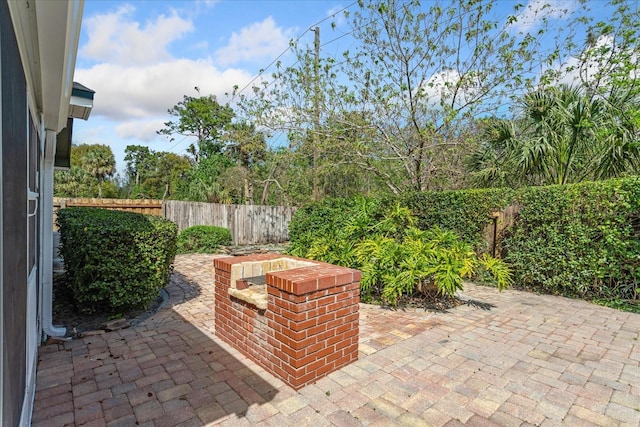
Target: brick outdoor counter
302,327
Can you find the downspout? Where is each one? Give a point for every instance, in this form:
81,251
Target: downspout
46,248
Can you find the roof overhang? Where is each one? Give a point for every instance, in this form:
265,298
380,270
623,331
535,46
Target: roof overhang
48,34
81,102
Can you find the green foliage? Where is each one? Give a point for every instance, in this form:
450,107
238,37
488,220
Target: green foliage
565,135
465,212
203,239
100,164
92,167
579,240
397,111
321,219
414,95
115,260
203,118
396,258
154,174
202,182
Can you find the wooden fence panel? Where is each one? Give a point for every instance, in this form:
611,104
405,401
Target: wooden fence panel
143,206
494,232
249,224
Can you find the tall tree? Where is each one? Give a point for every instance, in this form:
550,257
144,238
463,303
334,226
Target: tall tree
245,146
90,175
201,183
587,130
609,69
417,78
154,174
168,170
138,162
100,164
200,117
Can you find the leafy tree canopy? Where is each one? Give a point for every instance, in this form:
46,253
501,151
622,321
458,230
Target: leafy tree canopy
152,174
92,167
200,117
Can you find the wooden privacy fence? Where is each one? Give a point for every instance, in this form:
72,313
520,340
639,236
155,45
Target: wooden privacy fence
249,224
144,206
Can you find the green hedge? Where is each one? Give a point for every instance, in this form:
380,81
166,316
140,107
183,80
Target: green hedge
465,212
115,260
580,240
203,239
323,218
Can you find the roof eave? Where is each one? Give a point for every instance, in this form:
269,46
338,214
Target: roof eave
48,35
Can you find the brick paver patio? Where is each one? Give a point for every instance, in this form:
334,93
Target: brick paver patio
506,359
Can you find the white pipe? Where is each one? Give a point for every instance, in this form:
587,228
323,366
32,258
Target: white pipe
46,243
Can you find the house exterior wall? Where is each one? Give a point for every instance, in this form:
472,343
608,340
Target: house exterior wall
38,45
14,121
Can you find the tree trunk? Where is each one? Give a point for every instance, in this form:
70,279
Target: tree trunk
248,191
166,191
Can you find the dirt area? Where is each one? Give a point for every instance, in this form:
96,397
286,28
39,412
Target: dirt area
421,302
78,323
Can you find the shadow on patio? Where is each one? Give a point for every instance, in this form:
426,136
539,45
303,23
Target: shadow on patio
169,370
504,358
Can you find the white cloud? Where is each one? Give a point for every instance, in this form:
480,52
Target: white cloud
84,135
116,37
144,130
135,92
255,43
536,10
137,79
208,3
573,71
200,46
442,86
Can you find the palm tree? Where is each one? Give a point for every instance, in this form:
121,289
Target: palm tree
563,136
494,163
99,163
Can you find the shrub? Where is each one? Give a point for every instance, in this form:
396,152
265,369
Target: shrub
203,239
115,260
396,258
465,212
322,218
580,240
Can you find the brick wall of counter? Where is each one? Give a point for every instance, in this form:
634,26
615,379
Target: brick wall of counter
310,327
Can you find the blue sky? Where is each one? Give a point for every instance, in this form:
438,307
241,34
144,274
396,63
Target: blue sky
142,56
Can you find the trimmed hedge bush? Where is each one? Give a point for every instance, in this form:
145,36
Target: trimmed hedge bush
579,240
465,212
203,239
325,218
115,260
